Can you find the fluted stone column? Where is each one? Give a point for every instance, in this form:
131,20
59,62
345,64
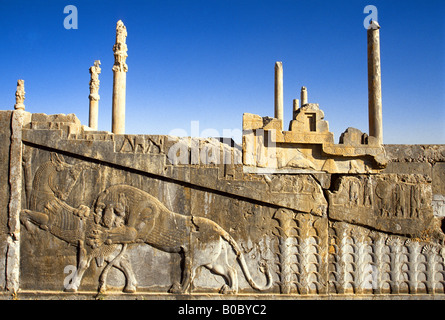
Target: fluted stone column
279,91
94,95
120,69
374,82
303,96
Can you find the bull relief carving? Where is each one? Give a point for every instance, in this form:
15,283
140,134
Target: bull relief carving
123,215
292,210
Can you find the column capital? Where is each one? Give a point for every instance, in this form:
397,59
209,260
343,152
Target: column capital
94,82
120,48
20,95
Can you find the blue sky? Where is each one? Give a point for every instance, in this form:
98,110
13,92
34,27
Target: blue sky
211,61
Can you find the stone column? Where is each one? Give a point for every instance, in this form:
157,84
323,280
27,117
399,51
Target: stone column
374,83
120,69
279,91
94,95
20,95
303,96
295,107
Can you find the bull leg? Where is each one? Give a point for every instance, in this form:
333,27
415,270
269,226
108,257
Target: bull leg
37,218
82,265
125,267
104,274
186,275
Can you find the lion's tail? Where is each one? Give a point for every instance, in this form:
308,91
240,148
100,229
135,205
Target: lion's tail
239,254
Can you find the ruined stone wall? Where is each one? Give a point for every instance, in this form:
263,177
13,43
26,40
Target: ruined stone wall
428,160
5,136
152,215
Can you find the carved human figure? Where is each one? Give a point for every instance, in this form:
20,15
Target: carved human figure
354,190
399,200
414,201
367,192
383,191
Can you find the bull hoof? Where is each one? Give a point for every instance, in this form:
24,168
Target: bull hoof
130,289
225,289
102,290
176,288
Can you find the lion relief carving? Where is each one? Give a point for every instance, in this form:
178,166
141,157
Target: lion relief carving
130,215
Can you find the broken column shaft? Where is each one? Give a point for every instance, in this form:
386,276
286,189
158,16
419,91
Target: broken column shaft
279,91
374,82
295,107
303,96
20,95
94,95
120,69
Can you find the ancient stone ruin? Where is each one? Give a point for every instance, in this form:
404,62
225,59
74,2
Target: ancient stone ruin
289,213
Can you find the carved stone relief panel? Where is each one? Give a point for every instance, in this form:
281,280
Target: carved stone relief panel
301,245
91,226
5,135
387,202
97,218
362,261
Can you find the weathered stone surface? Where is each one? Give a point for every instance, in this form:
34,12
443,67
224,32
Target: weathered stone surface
20,95
120,69
423,168
307,146
415,153
438,176
303,96
279,92
364,261
94,96
421,159
399,204
374,82
147,214
5,137
309,118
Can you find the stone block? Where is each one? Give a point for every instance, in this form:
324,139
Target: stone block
409,168
438,177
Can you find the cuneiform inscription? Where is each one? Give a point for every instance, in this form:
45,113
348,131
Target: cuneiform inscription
138,144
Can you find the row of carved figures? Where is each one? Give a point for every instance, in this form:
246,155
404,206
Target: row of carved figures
314,258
